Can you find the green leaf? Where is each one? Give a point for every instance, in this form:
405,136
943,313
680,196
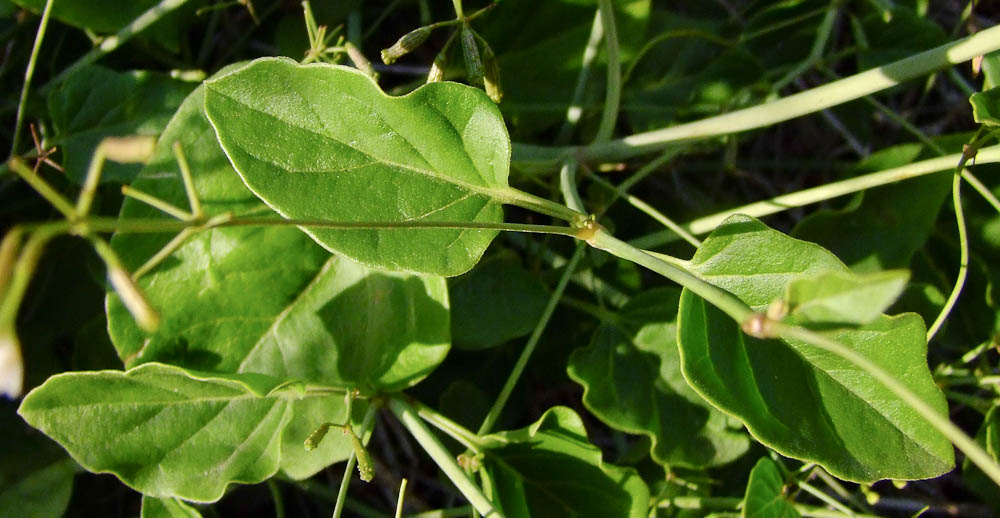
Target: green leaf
358,328
986,107
844,297
881,228
38,493
632,382
801,401
323,142
106,16
96,102
164,431
167,508
765,495
550,469
497,301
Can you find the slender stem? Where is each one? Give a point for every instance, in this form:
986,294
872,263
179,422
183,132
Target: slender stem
454,430
529,348
399,502
613,92
123,283
185,170
816,53
722,299
157,203
151,16
940,422
575,110
963,260
824,192
722,503
458,8
442,457
538,204
29,73
86,197
42,187
345,482
646,208
809,101
827,499
567,184
24,268
279,504
164,252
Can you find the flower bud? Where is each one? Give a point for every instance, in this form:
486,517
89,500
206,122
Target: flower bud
470,51
147,317
405,45
11,365
491,75
314,438
129,150
436,74
366,466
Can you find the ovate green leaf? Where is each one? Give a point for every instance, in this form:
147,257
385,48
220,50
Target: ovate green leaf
765,495
164,431
167,508
324,142
800,400
38,491
845,298
551,469
632,381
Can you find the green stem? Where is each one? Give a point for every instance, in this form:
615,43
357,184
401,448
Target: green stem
454,430
156,203
830,501
29,73
442,457
539,204
809,101
42,187
399,502
459,13
816,194
529,348
940,422
567,184
722,299
111,43
575,110
279,504
819,44
609,117
963,260
345,482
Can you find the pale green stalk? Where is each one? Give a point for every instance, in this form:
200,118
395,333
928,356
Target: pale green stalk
141,23
825,498
399,503
29,73
940,422
613,92
575,110
158,204
529,348
279,504
816,194
42,187
345,482
454,430
963,260
567,184
442,457
816,53
809,101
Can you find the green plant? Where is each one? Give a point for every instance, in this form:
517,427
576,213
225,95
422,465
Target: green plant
305,285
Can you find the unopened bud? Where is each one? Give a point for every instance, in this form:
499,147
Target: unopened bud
144,315
314,438
470,51
129,150
436,75
366,466
11,365
405,45
491,75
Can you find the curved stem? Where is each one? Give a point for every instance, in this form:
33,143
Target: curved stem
613,92
29,73
345,482
963,260
940,422
809,101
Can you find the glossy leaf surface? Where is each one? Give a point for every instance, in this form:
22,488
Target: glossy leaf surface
164,431
844,297
632,381
801,401
324,142
986,107
551,469
765,495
